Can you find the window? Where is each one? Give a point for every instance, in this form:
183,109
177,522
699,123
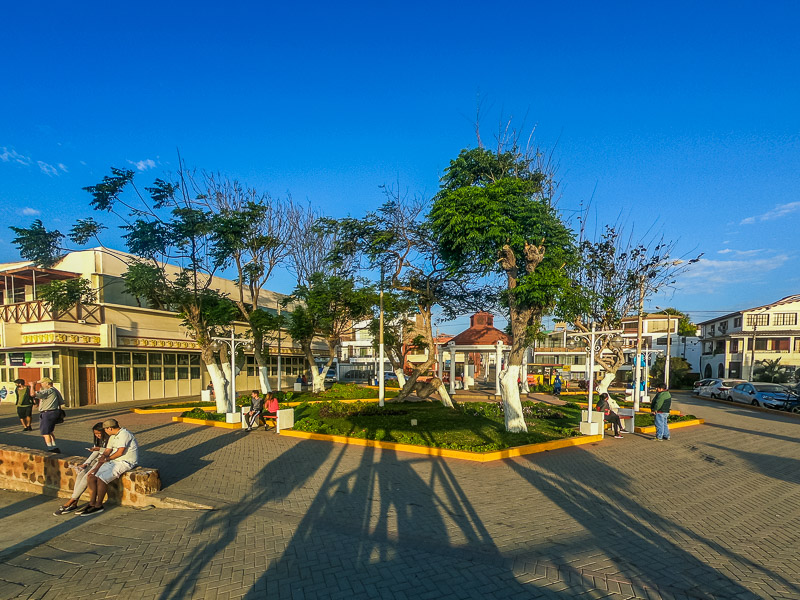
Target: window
140,373
139,358
56,375
251,371
105,358
105,374
713,330
183,372
785,319
122,358
85,358
3,375
735,346
169,359
2,359
155,373
169,373
194,360
797,345
123,373
662,341
194,372
183,359
757,320
154,359
737,321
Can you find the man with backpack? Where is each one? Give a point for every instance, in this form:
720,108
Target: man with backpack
50,401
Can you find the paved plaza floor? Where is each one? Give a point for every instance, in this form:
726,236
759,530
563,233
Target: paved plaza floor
713,513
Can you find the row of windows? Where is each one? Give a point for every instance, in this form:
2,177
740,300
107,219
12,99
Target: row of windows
111,374
144,359
762,319
9,374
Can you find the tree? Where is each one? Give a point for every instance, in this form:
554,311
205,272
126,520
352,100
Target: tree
60,296
251,232
495,210
398,240
771,370
679,371
329,308
167,230
613,277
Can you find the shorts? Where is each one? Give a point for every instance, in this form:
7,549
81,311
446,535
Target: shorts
110,471
25,411
47,421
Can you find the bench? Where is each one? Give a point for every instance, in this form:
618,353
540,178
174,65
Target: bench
282,419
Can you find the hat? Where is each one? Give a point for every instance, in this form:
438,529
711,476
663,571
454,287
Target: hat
110,423
46,380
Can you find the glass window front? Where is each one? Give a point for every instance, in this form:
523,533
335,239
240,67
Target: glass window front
169,359
105,374
105,358
140,373
85,358
122,358
154,358
139,358
183,372
169,373
123,373
155,373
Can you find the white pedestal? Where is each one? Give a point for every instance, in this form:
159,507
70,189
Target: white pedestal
627,424
285,419
298,387
205,395
593,428
233,417
245,410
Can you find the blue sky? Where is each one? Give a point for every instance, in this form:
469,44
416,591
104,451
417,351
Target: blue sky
678,116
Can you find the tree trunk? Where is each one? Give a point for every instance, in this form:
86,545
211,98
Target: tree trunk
401,378
515,421
602,387
445,396
263,370
220,386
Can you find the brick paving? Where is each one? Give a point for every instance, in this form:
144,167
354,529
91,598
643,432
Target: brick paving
712,514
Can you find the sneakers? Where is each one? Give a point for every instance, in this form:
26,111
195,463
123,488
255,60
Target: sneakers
90,510
657,440
666,439
62,510
617,437
248,429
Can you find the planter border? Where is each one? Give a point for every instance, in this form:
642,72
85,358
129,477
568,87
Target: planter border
678,425
221,424
447,453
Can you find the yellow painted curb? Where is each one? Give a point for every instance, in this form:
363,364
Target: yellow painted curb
678,425
208,423
445,453
154,411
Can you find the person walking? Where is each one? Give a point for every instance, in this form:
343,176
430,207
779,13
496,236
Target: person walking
24,404
604,404
660,406
557,386
99,442
120,456
50,401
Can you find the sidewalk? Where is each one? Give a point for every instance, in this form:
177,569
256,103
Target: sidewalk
303,519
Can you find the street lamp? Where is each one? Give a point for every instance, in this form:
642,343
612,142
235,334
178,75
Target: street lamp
231,416
669,340
594,341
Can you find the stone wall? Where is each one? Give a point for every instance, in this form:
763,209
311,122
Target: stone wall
38,471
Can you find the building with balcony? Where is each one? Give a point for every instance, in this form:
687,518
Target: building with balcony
655,331
733,344
115,349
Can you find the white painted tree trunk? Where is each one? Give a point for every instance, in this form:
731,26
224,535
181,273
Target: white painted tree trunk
226,369
401,378
605,382
262,378
220,387
509,391
525,387
445,396
318,380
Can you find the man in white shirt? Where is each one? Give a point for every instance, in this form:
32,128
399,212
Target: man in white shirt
121,455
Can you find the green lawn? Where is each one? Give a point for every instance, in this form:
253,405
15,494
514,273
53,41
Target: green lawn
475,426
647,419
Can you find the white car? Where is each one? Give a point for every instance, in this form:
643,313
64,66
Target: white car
702,383
718,388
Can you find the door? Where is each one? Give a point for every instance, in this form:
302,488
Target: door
31,376
87,386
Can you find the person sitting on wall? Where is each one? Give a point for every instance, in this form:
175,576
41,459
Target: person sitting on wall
99,442
120,456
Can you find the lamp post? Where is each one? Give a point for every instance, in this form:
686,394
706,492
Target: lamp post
231,416
381,382
279,345
594,342
669,340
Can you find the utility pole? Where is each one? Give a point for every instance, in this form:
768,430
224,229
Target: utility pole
669,347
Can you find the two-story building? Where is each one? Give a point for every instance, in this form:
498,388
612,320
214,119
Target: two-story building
114,349
733,344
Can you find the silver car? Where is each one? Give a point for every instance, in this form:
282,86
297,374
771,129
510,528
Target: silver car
767,395
719,388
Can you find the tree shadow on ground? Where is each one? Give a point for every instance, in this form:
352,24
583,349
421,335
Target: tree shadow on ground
646,548
782,468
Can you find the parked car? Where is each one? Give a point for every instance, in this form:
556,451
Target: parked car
330,376
719,388
701,383
768,395
389,376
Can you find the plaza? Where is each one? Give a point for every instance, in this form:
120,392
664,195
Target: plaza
711,514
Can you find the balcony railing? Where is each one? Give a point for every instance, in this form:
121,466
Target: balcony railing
37,311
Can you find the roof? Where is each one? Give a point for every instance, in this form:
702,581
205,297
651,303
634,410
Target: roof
481,332
29,274
786,300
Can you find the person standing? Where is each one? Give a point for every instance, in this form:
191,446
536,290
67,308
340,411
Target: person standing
50,401
24,404
660,406
120,456
557,386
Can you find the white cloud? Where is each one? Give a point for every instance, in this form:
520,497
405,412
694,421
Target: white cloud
733,271
63,167
47,169
725,251
11,155
143,165
742,252
781,210
30,212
